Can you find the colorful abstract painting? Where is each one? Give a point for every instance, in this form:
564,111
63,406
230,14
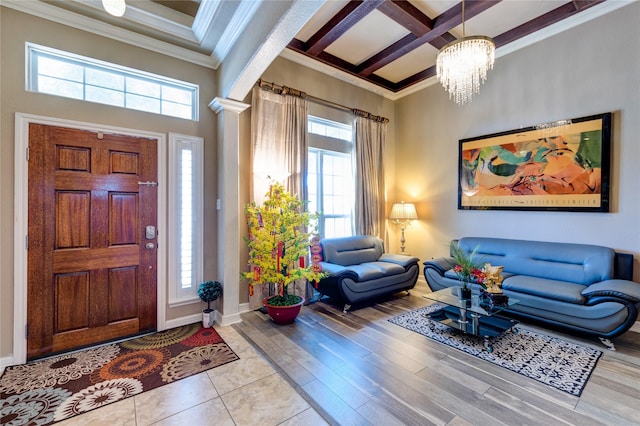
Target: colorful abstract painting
562,165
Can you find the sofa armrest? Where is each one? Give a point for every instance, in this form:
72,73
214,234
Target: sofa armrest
623,289
334,269
399,259
441,265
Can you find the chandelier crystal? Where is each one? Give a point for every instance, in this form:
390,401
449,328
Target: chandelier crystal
462,65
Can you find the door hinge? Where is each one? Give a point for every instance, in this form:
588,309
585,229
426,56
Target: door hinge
26,242
26,331
27,154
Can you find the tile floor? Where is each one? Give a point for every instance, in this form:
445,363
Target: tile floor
245,392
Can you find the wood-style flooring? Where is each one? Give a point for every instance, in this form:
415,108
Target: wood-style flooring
359,369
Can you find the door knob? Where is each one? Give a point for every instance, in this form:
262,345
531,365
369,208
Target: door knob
150,246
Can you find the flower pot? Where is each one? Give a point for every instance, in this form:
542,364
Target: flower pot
207,318
283,314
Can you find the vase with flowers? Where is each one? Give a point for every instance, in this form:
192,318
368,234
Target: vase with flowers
467,268
279,243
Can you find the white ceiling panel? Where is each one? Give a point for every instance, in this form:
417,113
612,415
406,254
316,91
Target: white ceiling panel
370,35
409,64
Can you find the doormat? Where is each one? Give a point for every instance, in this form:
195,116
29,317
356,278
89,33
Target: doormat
57,388
555,362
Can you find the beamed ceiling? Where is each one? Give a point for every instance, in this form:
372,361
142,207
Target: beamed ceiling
416,31
386,46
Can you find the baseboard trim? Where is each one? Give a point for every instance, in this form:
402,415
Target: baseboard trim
178,322
5,362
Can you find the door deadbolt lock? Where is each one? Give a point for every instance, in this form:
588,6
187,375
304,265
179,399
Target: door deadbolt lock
150,232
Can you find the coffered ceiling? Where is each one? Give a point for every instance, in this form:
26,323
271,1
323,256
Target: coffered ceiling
386,46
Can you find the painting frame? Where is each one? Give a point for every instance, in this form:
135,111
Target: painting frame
557,166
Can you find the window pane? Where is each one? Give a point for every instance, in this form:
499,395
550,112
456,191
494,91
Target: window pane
143,87
55,86
175,94
61,69
105,96
176,110
104,79
143,103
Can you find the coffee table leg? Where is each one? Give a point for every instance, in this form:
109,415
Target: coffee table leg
487,345
462,321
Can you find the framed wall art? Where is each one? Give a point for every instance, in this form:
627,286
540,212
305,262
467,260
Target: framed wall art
558,166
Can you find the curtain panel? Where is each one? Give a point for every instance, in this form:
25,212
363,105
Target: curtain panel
279,152
370,137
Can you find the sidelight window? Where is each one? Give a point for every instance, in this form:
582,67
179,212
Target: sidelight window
186,217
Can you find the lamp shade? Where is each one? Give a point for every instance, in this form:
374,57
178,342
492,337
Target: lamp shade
403,211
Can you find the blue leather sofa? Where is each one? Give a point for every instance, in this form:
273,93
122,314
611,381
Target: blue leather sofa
360,270
580,288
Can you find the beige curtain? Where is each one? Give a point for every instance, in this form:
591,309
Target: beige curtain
370,136
279,150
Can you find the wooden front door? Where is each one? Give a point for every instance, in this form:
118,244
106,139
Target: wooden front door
91,259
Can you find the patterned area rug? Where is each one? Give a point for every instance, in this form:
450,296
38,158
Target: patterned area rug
57,388
552,361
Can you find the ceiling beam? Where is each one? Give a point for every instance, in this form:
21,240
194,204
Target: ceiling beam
542,21
348,16
407,15
438,36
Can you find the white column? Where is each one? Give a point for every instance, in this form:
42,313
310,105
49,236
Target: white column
230,212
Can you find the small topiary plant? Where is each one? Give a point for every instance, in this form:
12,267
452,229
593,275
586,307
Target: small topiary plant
209,291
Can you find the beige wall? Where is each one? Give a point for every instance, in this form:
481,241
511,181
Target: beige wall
17,28
590,69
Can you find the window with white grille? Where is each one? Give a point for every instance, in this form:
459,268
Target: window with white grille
55,72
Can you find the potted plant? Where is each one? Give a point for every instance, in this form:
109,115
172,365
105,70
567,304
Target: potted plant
466,267
278,242
208,291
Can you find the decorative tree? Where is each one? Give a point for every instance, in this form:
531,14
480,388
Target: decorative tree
278,243
208,291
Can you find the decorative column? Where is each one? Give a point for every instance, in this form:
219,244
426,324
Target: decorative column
230,212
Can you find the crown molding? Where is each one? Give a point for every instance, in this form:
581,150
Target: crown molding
71,19
232,31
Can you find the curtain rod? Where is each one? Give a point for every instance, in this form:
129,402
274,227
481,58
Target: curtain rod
284,90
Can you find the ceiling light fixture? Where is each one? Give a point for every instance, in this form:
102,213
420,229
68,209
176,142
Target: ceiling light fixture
462,65
114,7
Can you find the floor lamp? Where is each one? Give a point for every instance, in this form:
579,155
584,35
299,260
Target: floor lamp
402,214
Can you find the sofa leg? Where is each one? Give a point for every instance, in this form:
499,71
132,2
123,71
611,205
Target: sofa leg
608,343
346,308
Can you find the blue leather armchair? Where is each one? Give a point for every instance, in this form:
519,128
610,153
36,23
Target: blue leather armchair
359,270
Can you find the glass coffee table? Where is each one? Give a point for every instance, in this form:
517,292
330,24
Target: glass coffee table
472,316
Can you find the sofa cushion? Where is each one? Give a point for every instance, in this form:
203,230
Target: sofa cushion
543,287
366,271
352,250
399,259
578,263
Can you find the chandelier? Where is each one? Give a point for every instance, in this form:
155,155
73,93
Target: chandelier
462,65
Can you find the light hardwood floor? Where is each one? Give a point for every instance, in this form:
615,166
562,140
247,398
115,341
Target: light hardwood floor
359,369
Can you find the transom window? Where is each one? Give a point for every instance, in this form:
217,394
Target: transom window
55,72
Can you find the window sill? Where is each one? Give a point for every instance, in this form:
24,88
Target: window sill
181,302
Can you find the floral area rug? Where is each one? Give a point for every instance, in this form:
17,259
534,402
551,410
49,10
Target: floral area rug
53,389
552,361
